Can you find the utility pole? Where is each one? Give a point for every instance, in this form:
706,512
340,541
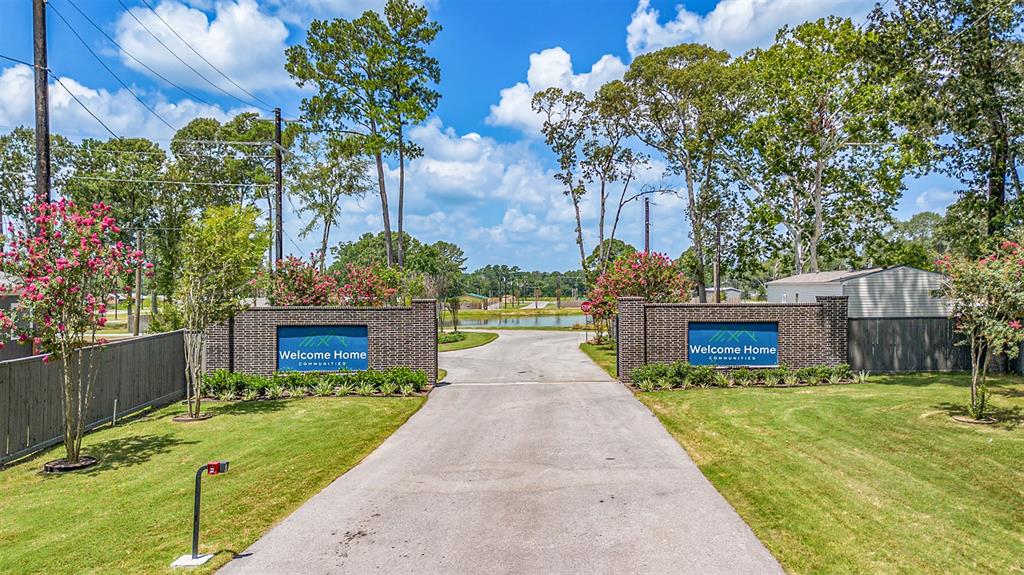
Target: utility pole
278,230
647,224
558,291
138,287
42,101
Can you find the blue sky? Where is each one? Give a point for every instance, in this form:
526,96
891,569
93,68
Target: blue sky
485,179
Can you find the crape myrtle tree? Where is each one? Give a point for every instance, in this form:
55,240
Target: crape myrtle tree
652,276
988,303
818,148
373,79
64,268
958,66
221,252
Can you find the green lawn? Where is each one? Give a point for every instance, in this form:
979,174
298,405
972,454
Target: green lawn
133,513
868,478
601,354
473,339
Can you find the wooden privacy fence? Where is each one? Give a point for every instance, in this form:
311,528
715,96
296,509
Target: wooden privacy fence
888,345
135,373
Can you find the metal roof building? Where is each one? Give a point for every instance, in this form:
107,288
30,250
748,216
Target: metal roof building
899,291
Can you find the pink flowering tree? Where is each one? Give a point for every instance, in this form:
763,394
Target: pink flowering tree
365,286
987,296
652,276
65,268
296,282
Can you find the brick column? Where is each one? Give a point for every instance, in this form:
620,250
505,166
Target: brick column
631,345
425,311
834,315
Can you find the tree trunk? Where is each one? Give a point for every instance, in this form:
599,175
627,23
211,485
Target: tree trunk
401,196
385,213
579,235
194,342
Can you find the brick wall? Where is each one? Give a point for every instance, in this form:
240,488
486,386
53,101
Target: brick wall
397,336
809,333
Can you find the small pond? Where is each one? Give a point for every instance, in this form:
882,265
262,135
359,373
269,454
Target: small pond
521,321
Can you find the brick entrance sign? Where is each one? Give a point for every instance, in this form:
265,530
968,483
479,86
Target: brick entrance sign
394,336
809,334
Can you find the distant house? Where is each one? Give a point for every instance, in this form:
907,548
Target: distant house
899,291
729,295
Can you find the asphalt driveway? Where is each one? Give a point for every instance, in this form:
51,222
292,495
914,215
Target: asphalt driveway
531,460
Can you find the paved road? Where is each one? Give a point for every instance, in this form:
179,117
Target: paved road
532,460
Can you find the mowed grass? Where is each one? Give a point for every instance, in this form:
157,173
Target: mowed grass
869,478
602,354
133,512
473,339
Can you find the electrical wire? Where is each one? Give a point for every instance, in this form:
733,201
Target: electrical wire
186,64
130,55
147,181
107,68
203,58
17,61
82,104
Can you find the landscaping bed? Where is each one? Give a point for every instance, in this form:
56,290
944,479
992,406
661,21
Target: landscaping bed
230,386
870,478
680,375
132,513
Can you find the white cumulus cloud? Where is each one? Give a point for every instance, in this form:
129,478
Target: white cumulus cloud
549,68
733,25
241,40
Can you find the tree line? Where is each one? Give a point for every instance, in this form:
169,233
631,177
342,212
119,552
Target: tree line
792,158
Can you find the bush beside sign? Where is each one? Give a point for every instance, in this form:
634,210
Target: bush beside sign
752,344
322,348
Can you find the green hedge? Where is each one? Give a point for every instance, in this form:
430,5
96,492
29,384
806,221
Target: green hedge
680,375
223,384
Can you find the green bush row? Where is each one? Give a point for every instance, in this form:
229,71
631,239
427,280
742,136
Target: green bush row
681,375
451,337
227,385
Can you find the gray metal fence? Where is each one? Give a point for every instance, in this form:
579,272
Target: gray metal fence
886,345
135,373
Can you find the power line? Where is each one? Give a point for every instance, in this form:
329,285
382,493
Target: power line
146,181
82,104
107,68
178,58
203,58
17,61
130,55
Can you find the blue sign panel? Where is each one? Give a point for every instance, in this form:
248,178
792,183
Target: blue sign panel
322,348
738,344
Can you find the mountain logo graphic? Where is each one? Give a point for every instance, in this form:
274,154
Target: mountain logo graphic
326,340
733,336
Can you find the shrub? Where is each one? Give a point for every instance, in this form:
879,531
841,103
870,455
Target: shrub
652,372
388,388
791,378
774,376
323,388
665,383
743,377
251,394
365,389
722,379
406,389
274,390
843,371
645,384
451,337
701,376
860,377
344,388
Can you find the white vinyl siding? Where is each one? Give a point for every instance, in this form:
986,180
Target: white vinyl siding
801,293
896,292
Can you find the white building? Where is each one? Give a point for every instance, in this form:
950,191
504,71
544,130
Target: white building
900,291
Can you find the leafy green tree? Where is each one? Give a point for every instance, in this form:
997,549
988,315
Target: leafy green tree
612,249
221,254
369,249
410,75
320,175
18,175
373,78
821,153
959,67
686,103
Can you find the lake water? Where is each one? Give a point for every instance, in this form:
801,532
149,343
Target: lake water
522,321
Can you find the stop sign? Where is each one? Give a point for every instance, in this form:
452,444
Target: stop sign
585,306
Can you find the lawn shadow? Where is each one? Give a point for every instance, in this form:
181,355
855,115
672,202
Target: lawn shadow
1007,417
129,451
249,407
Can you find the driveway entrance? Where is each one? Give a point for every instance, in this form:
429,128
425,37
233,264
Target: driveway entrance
531,460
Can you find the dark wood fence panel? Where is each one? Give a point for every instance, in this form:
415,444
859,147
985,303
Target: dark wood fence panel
887,345
135,373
